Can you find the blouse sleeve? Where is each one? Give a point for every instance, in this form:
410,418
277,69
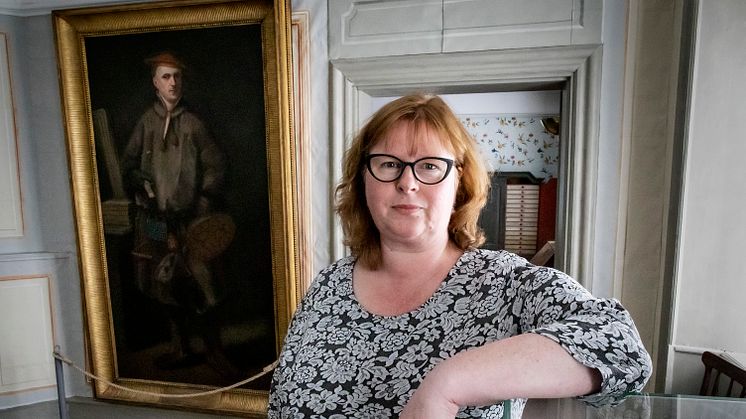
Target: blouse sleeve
598,333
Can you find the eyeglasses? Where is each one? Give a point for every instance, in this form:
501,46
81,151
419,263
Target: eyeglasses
427,170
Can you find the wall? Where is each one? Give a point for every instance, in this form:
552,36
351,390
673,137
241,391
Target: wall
712,226
321,209
48,246
646,147
515,143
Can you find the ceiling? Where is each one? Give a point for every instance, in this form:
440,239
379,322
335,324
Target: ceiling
43,7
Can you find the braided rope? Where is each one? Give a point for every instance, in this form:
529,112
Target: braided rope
263,372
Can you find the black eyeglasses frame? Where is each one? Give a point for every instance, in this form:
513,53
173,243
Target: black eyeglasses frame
449,162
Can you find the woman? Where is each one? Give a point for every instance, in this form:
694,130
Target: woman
418,323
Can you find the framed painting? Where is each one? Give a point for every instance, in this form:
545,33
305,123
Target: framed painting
183,171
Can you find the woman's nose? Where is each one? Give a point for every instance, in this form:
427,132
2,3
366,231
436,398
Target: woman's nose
407,182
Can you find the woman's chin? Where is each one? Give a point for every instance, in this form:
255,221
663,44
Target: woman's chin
409,240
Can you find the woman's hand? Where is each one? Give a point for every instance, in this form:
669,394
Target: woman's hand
431,399
427,403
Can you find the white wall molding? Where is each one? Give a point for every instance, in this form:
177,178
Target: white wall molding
61,306
40,256
503,69
26,8
684,369
26,336
384,28
477,25
11,208
399,27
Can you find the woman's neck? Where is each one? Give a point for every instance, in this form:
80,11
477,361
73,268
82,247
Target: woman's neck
405,262
405,280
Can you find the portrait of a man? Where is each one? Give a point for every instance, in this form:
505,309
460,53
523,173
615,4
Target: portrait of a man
181,141
175,173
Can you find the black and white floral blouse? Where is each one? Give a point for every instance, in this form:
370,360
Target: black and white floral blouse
340,361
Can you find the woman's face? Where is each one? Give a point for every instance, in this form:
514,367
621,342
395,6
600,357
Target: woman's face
411,215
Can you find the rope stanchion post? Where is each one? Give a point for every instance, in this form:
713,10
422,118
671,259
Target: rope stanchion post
60,377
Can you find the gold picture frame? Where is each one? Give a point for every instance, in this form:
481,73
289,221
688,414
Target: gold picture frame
236,58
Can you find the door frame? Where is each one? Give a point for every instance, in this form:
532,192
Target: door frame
574,69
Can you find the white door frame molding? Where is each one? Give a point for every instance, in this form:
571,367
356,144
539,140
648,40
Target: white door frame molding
11,200
576,68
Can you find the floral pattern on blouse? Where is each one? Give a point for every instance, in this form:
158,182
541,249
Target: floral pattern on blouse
340,361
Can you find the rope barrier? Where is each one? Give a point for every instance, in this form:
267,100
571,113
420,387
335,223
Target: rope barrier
264,371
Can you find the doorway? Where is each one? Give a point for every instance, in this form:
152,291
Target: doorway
573,70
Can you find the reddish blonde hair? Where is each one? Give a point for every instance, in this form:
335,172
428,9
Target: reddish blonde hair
423,112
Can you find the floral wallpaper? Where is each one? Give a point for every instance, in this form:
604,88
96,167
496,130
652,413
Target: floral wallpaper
515,143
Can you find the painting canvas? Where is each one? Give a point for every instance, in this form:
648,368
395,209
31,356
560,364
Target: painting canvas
221,77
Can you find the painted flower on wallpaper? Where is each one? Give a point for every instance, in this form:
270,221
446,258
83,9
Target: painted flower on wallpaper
515,143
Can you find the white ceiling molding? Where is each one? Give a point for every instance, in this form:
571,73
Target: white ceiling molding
25,8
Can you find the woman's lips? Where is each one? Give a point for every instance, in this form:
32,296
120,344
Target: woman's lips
407,208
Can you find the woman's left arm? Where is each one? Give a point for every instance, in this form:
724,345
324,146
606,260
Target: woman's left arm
523,366
569,344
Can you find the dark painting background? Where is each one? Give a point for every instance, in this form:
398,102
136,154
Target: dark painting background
224,84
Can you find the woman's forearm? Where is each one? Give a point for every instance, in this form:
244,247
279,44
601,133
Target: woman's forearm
524,366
